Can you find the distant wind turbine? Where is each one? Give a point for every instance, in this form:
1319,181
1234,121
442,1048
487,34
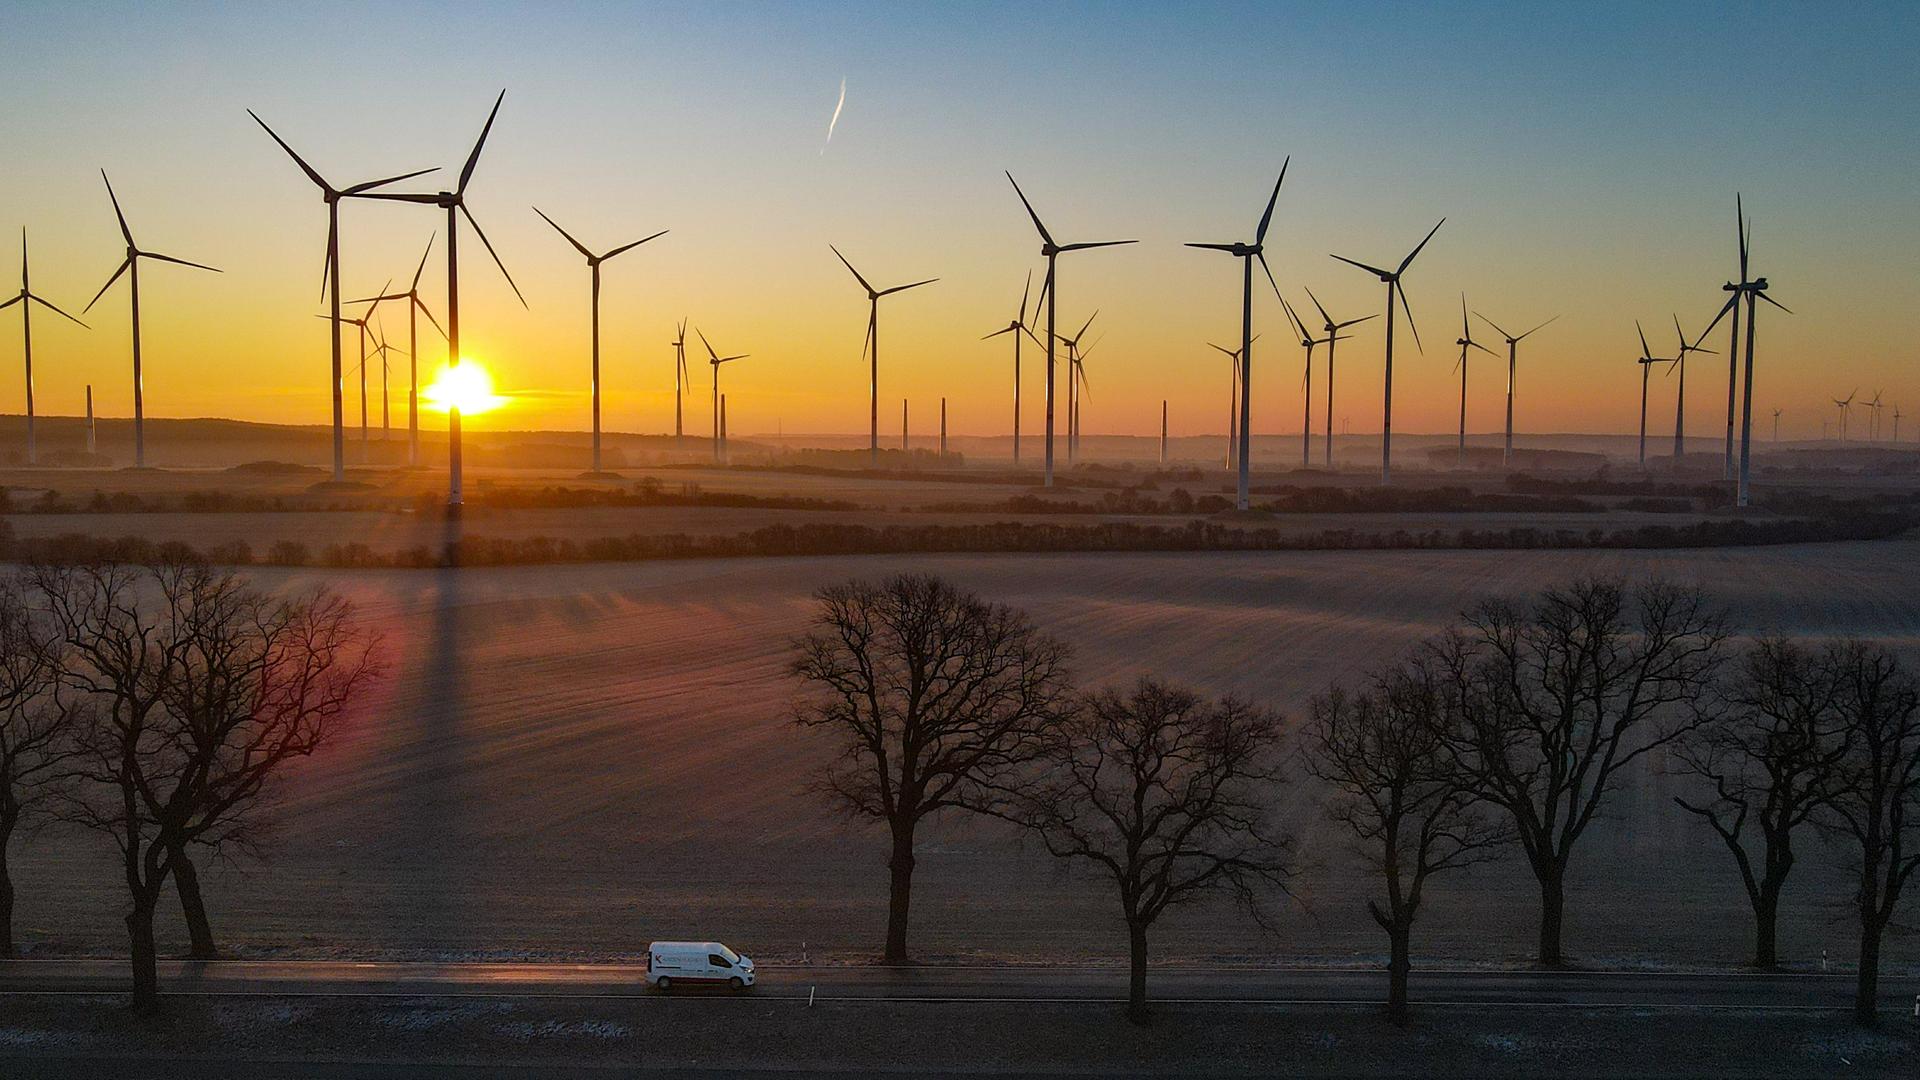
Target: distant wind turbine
1647,360
1513,364
1332,330
26,299
1776,423
1680,395
871,349
455,203
593,265
330,272
714,360
1873,418
415,308
131,267
1049,295
1247,253
1017,327
1075,379
1391,279
1846,412
1465,342
680,381
1755,290
1233,399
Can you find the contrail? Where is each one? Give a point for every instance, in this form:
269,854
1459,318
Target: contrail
837,106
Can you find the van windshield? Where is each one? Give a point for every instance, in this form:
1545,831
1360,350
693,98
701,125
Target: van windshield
732,957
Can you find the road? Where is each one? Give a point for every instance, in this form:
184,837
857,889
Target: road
1437,987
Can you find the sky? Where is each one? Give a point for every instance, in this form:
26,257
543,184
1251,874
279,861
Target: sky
1585,158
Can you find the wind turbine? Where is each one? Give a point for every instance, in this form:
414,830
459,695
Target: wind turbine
1049,294
131,267
361,368
680,380
1247,253
593,265
715,360
1306,382
1680,396
1391,279
26,299
1776,423
1074,378
1647,360
455,203
1755,290
873,343
382,349
1233,398
1465,342
330,272
1017,327
1896,423
1332,330
1082,391
1873,418
415,308
1513,364
1846,412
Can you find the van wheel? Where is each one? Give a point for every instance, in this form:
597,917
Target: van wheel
735,984
663,984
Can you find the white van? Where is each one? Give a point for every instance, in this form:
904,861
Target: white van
696,963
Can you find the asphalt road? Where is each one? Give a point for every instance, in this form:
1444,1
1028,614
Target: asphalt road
1436,987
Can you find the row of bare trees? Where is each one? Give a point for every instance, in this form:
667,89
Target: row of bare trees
157,705
1506,732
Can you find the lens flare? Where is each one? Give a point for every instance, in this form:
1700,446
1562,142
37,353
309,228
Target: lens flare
468,388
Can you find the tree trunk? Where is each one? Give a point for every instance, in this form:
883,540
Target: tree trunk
1552,910
1137,971
6,890
146,975
899,894
1866,994
187,879
1399,963
1766,914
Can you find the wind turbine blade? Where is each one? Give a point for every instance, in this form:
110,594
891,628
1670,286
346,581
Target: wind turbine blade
1732,302
736,356
403,196
466,171
1356,322
851,270
1774,302
1328,319
1482,348
418,270
297,159
635,244
326,257
1083,326
1234,353
1540,327
1645,350
1698,349
1369,269
1024,290
1262,256
873,315
103,289
488,244
1408,261
577,245
358,189
711,355
1291,317
422,305
124,231
1467,331
1496,327
1740,227
1044,234
1035,338
904,288
49,306
179,262
997,333
1216,247
1408,308
1260,234
1096,244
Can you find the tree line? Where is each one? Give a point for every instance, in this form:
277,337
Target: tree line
158,705
1503,736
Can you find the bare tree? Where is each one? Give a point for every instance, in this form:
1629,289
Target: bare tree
1876,804
35,730
1556,697
935,696
1384,751
1161,793
1772,759
205,689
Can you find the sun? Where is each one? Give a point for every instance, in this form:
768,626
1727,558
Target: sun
468,388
